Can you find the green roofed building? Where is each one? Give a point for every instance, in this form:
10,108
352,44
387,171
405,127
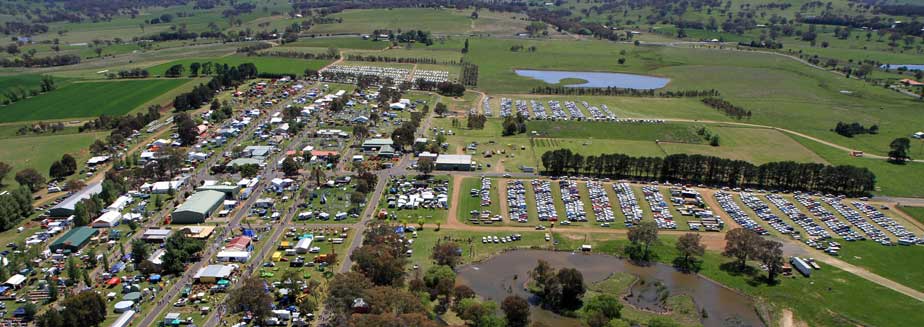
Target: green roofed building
74,239
231,191
197,207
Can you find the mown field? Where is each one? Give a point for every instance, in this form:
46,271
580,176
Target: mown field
275,65
350,42
88,99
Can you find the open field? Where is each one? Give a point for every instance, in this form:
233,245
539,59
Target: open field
778,90
889,262
88,99
350,42
40,151
916,212
275,65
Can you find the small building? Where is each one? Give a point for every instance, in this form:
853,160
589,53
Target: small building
156,235
457,162
243,162
198,207
257,151
376,144
240,243
233,256
74,239
387,151
15,281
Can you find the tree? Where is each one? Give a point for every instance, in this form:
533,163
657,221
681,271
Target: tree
440,109
459,293
690,247
479,314
642,236
440,280
174,71
425,166
770,253
899,153
516,311
30,178
139,251
345,288
84,309
601,309
381,263
289,166
52,289
447,253
5,169
69,163
194,69
252,297
186,128
740,244
572,286
357,198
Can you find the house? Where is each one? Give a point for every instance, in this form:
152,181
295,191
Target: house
257,151
376,144
324,155
460,162
240,243
108,219
198,207
156,235
264,203
386,151
244,161
74,240
164,187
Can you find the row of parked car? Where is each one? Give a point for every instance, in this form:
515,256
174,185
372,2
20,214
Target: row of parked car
854,217
574,206
764,213
628,203
837,226
727,202
659,208
545,205
516,200
889,224
813,229
600,202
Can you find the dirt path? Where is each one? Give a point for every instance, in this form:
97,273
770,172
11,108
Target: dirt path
334,62
452,219
870,276
502,198
709,198
786,319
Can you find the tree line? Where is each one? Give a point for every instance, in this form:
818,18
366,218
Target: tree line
469,74
403,60
615,91
443,88
709,170
122,127
727,108
203,93
296,54
15,205
50,61
130,73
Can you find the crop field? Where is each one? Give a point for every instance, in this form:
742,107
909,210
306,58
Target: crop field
275,65
440,21
89,99
39,152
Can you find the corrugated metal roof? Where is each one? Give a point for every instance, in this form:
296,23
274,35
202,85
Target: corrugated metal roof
201,202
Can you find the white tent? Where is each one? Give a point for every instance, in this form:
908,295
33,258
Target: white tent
236,256
15,281
303,245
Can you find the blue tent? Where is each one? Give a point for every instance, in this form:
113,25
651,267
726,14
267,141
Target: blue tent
154,278
249,232
399,229
117,267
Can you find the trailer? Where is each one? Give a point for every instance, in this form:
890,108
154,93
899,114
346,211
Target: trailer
801,266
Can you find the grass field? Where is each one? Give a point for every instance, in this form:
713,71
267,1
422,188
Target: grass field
25,81
916,212
443,21
468,203
88,99
276,65
40,151
891,179
888,262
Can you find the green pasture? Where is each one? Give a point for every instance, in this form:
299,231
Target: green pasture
364,21
88,99
275,65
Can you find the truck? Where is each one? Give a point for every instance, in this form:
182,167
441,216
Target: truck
802,266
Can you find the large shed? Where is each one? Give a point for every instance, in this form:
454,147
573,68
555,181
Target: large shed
74,239
461,162
198,207
66,207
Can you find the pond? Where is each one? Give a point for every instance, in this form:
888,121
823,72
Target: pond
897,66
597,79
506,273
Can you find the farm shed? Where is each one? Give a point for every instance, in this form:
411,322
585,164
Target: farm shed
74,239
197,207
461,162
156,235
66,207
